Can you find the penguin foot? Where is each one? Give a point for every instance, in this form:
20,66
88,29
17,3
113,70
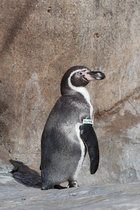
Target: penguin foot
44,188
59,187
73,183
47,187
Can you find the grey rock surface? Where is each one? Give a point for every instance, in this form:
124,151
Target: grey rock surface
112,196
39,41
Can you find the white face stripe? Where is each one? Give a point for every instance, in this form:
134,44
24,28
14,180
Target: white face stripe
78,70
81,90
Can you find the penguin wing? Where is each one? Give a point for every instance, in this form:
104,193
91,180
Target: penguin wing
88,135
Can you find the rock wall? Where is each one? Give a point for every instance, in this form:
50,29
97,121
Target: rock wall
39,41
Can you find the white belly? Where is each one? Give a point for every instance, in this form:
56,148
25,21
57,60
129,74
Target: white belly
82,146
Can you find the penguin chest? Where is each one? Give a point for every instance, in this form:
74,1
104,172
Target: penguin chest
82,150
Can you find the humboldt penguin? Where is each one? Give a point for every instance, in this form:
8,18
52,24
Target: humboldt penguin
68,132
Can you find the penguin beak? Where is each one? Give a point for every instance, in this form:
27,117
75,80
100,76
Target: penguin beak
98,75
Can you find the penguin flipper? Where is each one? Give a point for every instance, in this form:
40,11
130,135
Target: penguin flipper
88,136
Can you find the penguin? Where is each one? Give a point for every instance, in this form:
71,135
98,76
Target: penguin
68,133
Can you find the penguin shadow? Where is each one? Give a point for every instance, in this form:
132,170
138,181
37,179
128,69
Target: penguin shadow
27,176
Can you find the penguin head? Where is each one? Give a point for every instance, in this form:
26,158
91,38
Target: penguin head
78,76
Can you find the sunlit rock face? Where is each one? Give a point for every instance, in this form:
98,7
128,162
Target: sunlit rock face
39,41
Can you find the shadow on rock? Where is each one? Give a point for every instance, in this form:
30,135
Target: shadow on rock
25,175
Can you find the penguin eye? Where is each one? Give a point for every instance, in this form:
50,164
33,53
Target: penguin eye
79,73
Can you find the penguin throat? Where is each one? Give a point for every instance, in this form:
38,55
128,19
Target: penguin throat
82,90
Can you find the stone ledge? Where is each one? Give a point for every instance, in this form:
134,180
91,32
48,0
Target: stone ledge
112,196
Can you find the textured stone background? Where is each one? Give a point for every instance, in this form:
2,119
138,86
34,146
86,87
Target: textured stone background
39,41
